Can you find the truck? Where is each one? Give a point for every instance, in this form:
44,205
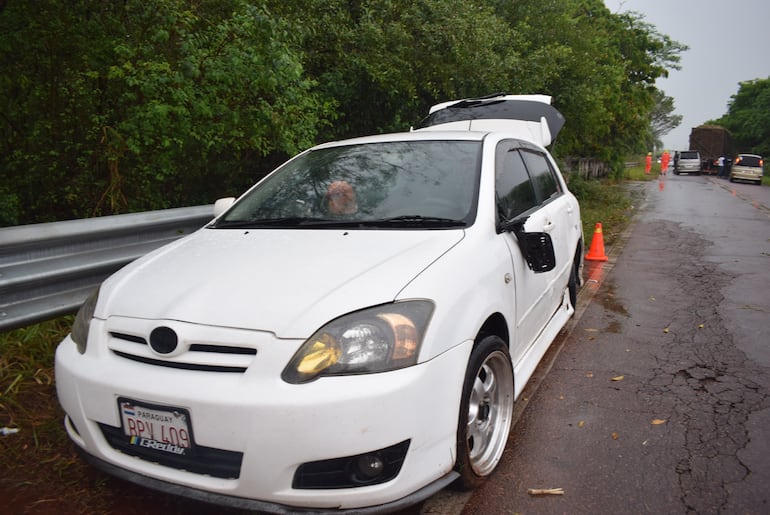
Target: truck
711,141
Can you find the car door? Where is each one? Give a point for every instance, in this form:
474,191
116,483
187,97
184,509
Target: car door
559,216
517,198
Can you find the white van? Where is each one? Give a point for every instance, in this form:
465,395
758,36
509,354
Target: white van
687,161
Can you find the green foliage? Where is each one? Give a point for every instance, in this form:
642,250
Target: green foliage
600,68
748,117
127,106
607,202
663,119
136,105
26,356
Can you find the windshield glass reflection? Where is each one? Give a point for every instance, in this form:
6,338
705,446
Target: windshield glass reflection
417,183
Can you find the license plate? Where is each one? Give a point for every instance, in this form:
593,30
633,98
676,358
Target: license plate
161,428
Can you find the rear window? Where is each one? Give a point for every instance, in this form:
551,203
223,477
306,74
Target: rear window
689,155
748,161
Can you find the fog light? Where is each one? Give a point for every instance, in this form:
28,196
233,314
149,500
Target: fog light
369,466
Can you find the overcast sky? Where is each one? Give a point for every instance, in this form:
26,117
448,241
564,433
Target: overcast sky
729,42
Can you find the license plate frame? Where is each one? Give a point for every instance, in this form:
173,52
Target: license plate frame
156,427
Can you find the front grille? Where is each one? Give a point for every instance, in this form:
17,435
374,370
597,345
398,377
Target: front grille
181,366
207,357
201,460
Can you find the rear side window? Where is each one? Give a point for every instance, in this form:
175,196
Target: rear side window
546,185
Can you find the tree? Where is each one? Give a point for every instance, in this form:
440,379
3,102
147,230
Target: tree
600,68
112,107
662,118
384,62
748,117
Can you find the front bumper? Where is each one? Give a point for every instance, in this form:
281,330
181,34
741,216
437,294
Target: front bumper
265,507
276,426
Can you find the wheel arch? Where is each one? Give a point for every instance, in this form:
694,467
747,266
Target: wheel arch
494,325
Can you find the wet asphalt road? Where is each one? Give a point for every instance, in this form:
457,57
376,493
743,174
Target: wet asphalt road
656,398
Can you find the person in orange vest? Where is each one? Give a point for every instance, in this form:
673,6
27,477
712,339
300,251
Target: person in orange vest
648,163
664,159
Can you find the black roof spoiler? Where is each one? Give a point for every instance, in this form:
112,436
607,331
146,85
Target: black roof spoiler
498,112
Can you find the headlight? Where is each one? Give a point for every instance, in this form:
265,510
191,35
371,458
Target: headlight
83,321
373,340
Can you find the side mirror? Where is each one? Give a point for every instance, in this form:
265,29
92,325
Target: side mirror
222,205
537,248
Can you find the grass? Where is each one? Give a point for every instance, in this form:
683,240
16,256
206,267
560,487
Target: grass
40,458
39,455
605,201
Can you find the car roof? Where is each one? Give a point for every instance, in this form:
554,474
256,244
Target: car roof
408,136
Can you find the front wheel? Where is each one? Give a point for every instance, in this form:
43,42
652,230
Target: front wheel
486,412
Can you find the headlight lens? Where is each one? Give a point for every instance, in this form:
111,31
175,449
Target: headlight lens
373,340
83,321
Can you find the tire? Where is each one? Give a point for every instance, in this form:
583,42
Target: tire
486,412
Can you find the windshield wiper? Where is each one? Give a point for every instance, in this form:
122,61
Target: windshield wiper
290,221
415,221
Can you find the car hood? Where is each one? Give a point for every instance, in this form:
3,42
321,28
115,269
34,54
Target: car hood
288,282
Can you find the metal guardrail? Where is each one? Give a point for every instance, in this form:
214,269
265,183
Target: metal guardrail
48,270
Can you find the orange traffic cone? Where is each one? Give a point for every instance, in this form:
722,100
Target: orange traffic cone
596,252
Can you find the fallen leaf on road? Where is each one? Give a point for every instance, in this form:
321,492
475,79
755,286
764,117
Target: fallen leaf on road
700,326
665,330
618,378
589,374
581,423
545,491
658,421
615,436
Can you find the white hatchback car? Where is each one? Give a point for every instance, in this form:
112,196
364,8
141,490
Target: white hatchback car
747,167
351,333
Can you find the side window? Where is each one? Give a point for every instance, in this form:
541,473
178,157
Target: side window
513,187
543,175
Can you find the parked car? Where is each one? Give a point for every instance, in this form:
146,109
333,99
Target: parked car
687,161
351,332
747,167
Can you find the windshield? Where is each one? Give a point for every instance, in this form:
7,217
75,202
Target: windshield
689,155
397,184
